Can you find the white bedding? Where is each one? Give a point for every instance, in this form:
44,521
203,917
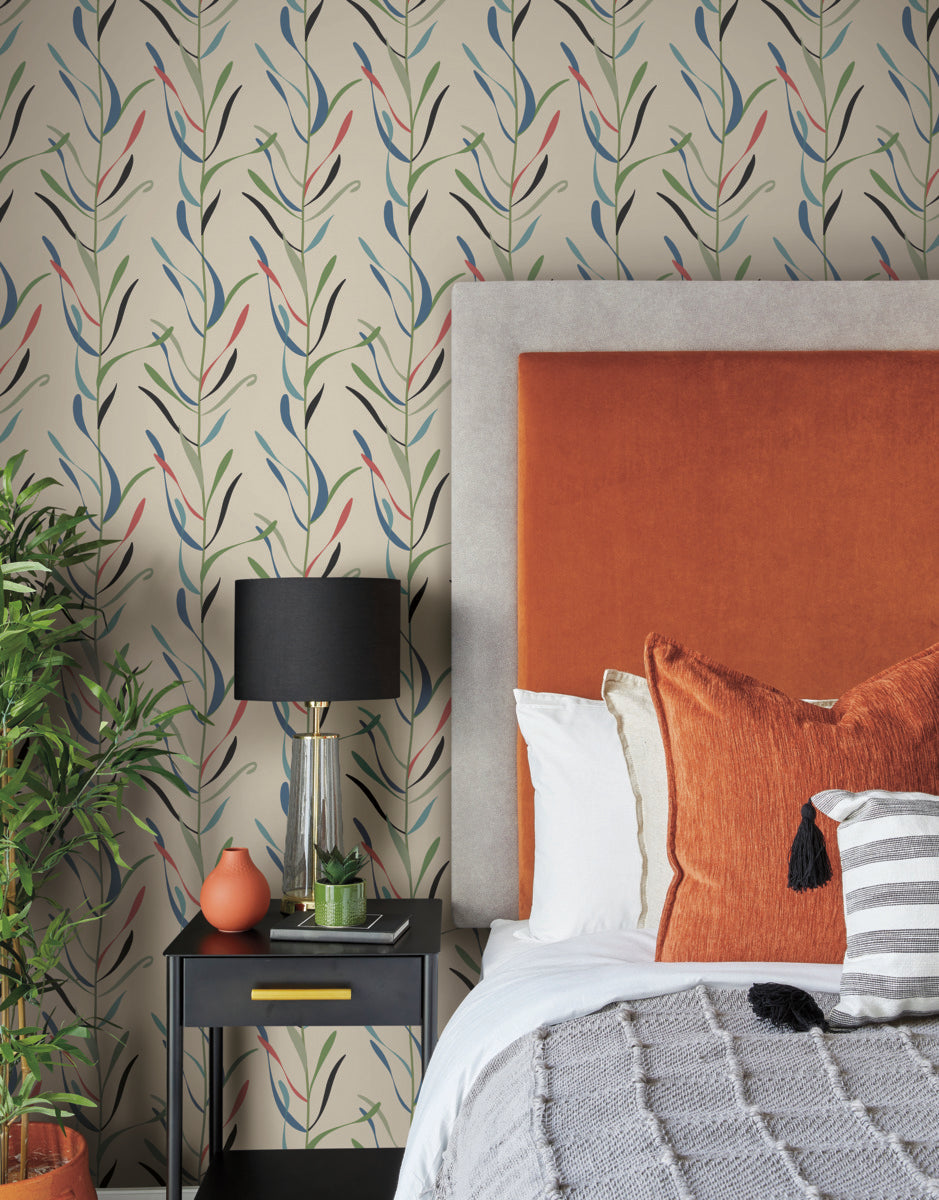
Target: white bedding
526,984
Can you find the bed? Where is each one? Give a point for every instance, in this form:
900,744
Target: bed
678,514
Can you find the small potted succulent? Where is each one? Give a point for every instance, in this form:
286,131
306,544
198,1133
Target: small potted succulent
339,893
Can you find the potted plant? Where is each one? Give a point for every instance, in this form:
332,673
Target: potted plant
58,797
338,892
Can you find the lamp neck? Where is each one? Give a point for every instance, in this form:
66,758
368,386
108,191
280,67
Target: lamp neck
318,709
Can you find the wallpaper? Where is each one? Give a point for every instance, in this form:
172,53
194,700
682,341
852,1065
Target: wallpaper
228,234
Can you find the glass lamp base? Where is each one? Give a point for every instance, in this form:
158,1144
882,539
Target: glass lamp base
314,804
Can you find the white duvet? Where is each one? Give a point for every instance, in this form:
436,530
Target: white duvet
526,984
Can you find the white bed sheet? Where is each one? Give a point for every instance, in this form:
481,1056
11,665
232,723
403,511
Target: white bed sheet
526,984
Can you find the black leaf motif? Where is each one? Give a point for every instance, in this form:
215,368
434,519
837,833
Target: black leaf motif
727,18
163,21
311,407
333,560
624,211
368,408
45,199
125,950
333,172
120,313
831,212
106,404
328,1089
416,212
433,893
369,795
681,216
125,1074
125,563
744,180
438,363
431,119
577,21
329,311
17,374
472,212
102,24
887,213
932,24
229,104
224,510
229,755
370,22
639,116
5,205
162,407
267,216
207,215
539,175
16,120
844,124
229,367
416,599
517,23
125,174
430,508
311,20
782,16
207,602
434,759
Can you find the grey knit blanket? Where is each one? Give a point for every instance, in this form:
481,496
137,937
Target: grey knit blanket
691,1096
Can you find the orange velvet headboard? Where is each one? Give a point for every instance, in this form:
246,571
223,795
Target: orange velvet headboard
778,511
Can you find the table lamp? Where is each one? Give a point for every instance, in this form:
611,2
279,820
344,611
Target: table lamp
315,641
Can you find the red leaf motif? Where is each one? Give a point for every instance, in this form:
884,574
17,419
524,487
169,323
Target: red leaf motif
138,125
374,82
343,517
169,83
33,322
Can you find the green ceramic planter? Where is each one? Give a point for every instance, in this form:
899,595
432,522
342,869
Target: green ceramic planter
339,904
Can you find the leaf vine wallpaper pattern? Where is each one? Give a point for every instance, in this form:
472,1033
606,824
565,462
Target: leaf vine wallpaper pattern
228,233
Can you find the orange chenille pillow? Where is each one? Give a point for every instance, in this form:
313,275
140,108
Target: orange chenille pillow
742,759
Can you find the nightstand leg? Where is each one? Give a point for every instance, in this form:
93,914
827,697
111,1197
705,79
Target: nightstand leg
429,1025
174,1078
215,1091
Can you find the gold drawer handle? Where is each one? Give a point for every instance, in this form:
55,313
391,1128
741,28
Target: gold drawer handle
322,993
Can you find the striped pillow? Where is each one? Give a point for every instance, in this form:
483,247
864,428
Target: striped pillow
889,847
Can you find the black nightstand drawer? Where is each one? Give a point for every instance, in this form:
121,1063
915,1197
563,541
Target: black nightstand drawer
302,991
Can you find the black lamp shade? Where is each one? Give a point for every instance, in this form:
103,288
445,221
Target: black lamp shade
317,639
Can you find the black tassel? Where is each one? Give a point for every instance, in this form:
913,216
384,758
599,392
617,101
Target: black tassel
785,1006
808,859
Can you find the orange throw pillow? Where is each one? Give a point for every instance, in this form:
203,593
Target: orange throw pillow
742,759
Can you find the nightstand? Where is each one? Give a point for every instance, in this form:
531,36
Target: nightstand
209,980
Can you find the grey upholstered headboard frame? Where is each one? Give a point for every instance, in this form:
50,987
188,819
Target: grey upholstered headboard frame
492,324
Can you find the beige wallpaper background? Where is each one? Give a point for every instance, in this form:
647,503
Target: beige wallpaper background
227,239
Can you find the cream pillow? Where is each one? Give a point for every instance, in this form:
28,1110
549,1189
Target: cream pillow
587,864
627,697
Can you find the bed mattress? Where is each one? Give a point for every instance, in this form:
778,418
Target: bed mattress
530,987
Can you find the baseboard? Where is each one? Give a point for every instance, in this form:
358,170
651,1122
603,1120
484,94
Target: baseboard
148,1193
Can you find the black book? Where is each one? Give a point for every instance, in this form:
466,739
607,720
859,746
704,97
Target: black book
302,927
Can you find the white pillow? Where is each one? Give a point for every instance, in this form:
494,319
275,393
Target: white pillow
628,699
587,862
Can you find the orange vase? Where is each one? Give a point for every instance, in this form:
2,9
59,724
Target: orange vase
62,1157
235,896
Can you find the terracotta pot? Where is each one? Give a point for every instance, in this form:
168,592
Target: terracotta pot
235,896
62,1157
